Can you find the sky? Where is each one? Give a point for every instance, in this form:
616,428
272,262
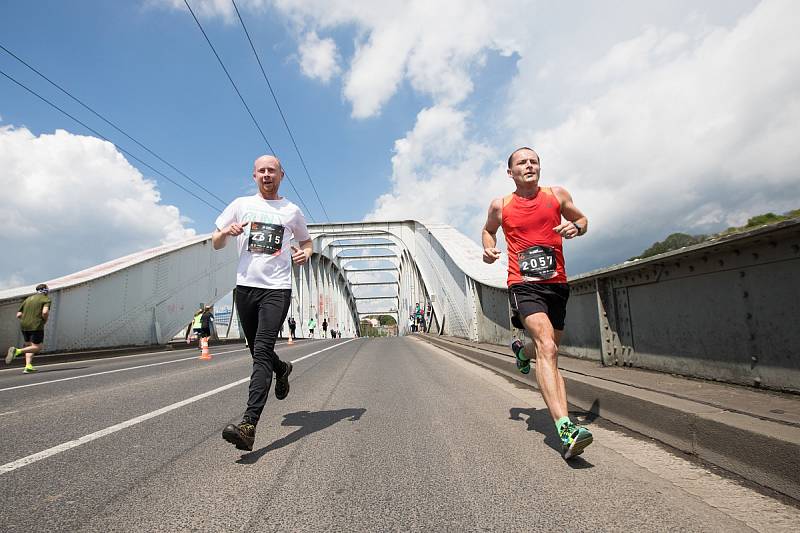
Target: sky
656,116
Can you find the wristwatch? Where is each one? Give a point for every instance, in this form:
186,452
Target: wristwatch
580,228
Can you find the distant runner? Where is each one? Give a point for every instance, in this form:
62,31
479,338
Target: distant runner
263,225
292,327
32,317
324,327
206,323
311,325
531,218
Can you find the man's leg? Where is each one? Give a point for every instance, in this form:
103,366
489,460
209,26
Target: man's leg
574,439
551,383
244,435
272,309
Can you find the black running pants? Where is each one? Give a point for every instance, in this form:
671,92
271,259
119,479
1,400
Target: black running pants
261,313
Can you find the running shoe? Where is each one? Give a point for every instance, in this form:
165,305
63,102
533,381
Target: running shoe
574,439
523,364
12,353
29,369
242,436
282,383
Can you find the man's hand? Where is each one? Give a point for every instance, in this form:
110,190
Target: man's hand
490,255
298,256
235,229
567,230
19,314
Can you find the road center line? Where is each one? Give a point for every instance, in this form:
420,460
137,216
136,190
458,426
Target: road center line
19,463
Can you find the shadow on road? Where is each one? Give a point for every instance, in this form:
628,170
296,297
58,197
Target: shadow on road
309,423
539,420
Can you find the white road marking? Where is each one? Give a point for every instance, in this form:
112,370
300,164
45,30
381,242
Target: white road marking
110,371
115,357
758,511
19,463
8,413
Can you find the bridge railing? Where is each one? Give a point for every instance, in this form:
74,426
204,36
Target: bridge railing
724,310
141,299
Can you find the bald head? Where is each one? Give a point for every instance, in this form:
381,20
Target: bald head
266,159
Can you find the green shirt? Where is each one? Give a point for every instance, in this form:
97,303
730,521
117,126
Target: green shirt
31,309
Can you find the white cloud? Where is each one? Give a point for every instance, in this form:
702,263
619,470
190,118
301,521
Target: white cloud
436,171
212,8
423,42
667,116
706,138
76,202
318,57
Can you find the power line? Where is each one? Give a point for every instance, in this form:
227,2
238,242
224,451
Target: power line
275,98
244,103
42,98
101,117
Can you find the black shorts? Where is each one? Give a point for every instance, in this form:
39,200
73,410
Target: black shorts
529,298
36,337
204,332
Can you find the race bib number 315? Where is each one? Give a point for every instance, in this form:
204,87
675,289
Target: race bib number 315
537,263
265,238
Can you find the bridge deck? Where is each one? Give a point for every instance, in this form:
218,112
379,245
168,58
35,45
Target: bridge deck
376,434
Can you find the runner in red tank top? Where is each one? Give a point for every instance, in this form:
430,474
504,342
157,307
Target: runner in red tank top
531,218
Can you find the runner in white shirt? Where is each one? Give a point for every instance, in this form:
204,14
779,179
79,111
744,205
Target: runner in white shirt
264,225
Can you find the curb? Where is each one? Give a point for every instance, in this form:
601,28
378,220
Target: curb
762,451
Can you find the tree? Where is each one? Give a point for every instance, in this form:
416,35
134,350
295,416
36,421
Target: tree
387,320
673,242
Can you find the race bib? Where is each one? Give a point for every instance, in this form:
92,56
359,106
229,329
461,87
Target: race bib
265,238
537,263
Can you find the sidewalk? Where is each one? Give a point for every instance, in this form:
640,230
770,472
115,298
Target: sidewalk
750,432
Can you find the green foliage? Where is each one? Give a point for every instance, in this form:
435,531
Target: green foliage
673,242
679,240
767,218
387,320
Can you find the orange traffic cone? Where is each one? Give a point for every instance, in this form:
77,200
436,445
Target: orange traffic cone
291,341
205,354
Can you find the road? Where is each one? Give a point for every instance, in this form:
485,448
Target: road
376,435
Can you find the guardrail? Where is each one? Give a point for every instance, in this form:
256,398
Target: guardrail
725,310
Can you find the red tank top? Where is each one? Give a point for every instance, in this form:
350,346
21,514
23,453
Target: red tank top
534,249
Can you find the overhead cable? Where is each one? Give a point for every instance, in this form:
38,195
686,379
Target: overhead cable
107,121
275,98
42,98
244,103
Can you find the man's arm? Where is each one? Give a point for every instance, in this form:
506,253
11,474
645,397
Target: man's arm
574,216
220,236
301,255
45,312
489,233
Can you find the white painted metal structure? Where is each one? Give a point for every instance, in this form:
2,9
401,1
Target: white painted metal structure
431,264
148,297
140,299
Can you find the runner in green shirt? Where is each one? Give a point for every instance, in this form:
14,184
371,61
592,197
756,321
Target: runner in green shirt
32,317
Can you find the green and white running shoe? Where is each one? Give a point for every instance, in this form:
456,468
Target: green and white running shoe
11,354
574,439
29,369
523,364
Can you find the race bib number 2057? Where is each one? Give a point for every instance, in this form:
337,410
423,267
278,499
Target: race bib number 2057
537,263
265,238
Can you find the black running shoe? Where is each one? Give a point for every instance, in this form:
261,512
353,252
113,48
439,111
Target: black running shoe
282,383
242,436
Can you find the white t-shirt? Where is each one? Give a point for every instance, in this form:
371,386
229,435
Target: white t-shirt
265,254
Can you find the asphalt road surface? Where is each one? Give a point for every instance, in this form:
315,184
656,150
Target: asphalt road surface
376,435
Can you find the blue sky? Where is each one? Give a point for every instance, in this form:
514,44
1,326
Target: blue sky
658,117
